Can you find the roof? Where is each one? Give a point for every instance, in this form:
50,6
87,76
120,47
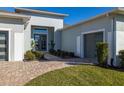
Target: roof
66,25
40,12
14,15
113,11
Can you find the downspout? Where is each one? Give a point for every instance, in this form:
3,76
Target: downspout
113,59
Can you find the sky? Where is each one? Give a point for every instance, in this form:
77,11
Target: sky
76,14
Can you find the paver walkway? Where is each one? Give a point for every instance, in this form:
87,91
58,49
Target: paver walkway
18,73
73,61
52,57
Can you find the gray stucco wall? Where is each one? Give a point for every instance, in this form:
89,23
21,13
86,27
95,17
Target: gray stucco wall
119,22
119,34
69,35
16,26
50,36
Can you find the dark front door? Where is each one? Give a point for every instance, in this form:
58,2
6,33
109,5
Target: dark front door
41,42
3,46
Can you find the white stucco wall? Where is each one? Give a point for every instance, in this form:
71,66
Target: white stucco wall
43,20
14,26
18,46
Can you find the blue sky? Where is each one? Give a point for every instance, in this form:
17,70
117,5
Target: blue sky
76,14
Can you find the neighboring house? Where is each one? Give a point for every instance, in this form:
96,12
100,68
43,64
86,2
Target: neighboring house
19,28
82,37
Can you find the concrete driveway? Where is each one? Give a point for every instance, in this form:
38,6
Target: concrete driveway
18,73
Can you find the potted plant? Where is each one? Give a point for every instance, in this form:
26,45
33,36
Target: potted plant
52,45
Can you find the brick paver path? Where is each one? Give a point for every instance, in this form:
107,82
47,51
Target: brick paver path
18,73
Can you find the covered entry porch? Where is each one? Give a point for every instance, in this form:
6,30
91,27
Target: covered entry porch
42,36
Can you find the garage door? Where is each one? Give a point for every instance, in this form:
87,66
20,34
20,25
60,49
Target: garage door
90,41
3,46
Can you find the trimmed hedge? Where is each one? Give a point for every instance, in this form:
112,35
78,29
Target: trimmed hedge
29,55
38,54
102,53
60,53
121,56
32,55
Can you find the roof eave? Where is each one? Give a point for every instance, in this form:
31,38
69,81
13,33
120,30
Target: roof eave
41,12
16,16
114,11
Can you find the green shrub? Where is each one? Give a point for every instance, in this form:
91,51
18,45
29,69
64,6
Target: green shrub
71,54
29,55
52,45
62,54
52,51
38,54
121,56
66,54
59,52
102,53
55,53
33,44
42,55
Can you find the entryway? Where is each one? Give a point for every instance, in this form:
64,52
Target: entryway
40,36
41,42
3,46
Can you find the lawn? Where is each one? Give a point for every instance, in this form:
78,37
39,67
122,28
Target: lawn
79,76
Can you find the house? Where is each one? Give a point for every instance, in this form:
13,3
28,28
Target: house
19,28
82,37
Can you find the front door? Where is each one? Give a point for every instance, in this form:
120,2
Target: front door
41,42
3,46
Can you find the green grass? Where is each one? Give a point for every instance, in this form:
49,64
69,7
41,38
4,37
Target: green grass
78,76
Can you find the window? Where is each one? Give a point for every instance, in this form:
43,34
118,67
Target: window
39,31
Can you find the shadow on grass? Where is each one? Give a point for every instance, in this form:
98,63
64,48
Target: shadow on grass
112,68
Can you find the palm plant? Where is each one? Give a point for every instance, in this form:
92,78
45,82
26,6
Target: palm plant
33,44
